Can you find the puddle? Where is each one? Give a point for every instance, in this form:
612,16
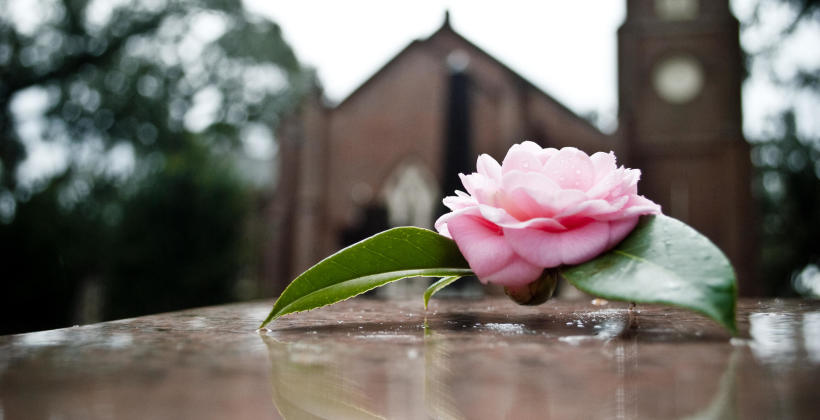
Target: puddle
774,336
502,328
811,335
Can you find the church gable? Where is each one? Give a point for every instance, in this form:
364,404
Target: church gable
495,86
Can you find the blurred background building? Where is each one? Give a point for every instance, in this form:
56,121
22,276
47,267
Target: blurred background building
387,154
163,154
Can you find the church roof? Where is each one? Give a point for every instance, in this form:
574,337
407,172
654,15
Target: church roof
446,28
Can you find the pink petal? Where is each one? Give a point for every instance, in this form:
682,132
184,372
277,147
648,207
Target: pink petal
634,175
443,230
517,272
629,184
520,190
496,214
520,204
530,147
549,196
594,208
535,181
604,163
441,222
521,157
459,202
619,229
489,167
537,247
545,154
571,168
584,243
560,201
482,188
551,249
543,223
639,205
482,244
608,184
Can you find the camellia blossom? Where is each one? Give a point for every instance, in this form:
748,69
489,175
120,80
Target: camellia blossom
541,208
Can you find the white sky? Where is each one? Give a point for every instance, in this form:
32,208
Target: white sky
567,48
348,41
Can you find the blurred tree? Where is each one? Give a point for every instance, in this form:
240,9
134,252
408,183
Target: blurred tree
179,238
788,187
148,103
806,9
47,251
787,160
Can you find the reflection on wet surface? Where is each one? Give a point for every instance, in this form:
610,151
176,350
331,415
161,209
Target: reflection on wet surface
464,359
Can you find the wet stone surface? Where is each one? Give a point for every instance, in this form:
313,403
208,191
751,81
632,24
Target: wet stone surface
470,359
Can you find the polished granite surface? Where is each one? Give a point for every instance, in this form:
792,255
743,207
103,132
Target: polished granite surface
469,359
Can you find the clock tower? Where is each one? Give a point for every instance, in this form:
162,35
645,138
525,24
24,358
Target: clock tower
679,81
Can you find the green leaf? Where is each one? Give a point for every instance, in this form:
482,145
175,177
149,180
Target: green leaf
383,258
663,261
435,287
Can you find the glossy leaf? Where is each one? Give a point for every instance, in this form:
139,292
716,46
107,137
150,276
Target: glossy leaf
663,261
383,258
438,285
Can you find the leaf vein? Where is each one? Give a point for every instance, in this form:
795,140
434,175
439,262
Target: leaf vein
349,269
373,251
422,250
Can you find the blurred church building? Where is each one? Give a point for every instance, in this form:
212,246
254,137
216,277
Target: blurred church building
387,154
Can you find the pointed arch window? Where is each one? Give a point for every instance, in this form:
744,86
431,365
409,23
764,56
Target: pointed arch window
411,195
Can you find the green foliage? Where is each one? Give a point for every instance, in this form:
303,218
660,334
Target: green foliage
383,258
787,160
179,238
438,285
130,76
663,261
47,253
164,241
133,77
788,191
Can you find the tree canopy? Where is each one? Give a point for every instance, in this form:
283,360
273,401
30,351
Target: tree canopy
143,107
787,159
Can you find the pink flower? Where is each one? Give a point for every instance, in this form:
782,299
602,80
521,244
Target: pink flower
541,208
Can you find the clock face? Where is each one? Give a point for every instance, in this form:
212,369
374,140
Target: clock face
678,79
676,9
